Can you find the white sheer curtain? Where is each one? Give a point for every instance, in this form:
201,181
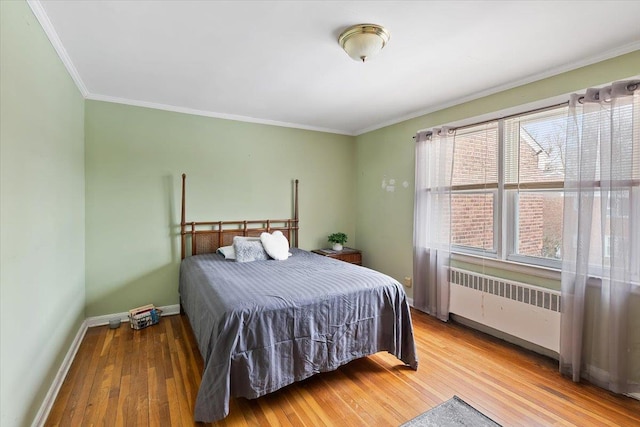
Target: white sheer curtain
600,323
431,236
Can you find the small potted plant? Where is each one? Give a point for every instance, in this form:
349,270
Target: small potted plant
338,239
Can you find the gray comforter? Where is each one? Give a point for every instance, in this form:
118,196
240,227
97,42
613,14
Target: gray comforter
265,324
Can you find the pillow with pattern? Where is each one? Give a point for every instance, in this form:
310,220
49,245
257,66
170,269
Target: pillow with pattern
249,249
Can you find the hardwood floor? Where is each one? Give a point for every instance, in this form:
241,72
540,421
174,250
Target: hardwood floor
151,377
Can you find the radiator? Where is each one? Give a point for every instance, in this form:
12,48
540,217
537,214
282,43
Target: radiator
530,313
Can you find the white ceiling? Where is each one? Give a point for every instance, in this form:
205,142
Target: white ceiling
279,61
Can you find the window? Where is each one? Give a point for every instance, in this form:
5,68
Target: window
474,188
533,181
508,192
507,188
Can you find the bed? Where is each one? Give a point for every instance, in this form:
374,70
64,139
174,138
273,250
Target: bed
266,324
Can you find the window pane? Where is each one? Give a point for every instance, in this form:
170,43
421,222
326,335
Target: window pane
472,220
476,155
540,224
534,147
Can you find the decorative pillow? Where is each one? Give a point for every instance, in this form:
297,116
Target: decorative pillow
276,245
248,249
227,252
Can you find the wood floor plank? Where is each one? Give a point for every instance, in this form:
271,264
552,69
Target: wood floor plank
273,413
367,405
111,409
124,377
307,415
80,401
67,396
140,394
173,374
124,399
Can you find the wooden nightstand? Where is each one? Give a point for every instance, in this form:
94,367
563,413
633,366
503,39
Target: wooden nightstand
351,255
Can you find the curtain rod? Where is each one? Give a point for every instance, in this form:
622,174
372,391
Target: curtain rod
536,110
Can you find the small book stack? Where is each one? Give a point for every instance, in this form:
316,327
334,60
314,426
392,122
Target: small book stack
144,316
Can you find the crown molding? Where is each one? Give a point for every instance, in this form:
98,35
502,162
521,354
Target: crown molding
47,26
192,111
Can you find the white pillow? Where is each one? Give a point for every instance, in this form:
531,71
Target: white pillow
276,245
227,252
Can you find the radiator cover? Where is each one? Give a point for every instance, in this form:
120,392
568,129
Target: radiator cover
524,311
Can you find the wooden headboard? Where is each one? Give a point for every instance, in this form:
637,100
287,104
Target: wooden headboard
206,237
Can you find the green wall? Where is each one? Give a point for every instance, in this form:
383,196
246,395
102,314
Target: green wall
384,220
41,213
235,170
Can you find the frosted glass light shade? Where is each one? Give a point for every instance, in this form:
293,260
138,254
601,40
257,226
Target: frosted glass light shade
363,41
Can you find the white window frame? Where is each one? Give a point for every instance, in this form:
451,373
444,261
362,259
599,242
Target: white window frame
512,242
489,253
505,215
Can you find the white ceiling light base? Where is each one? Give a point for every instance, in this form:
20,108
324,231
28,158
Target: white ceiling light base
363,41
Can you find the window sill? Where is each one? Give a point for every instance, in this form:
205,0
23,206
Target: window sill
516,267
532,270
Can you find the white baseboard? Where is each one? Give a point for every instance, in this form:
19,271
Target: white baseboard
410,301
50,398
634,395
167,310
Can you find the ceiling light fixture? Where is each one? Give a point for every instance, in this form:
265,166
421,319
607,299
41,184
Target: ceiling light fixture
363,41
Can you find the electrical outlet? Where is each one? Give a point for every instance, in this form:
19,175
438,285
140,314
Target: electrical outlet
407,281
